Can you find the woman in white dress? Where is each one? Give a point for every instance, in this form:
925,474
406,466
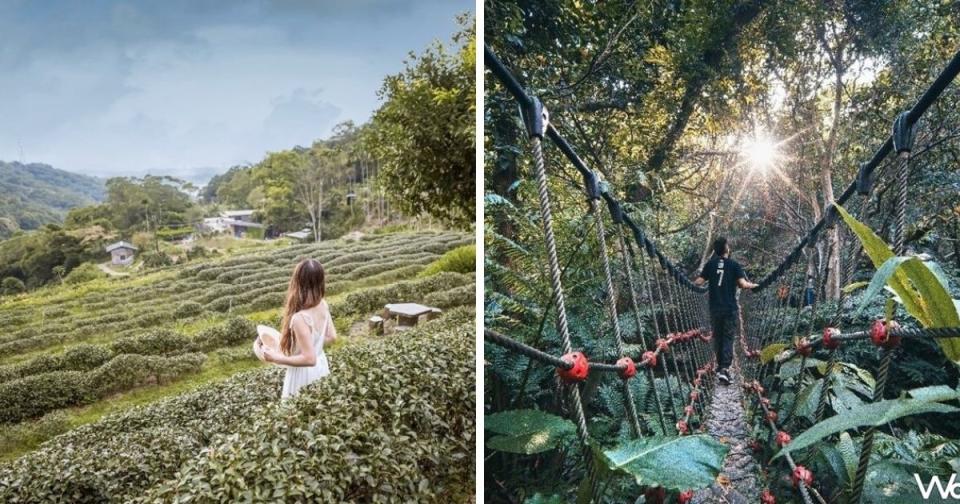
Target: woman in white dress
307,326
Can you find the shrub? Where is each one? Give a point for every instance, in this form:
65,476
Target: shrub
457,296
354,436
459,260
157,342
35,395
187,309
12,285
84,273
232,332
416,426
127,371
154,259
400,292
267,301
84,357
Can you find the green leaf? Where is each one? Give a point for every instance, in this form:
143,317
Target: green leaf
850,454
921,287
880,278
879,252
877,413
526,431
938,393
771,351
675,463
854,286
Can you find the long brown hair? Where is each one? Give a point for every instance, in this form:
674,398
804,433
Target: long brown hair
306,290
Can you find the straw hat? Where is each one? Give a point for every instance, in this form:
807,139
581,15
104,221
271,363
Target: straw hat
266,337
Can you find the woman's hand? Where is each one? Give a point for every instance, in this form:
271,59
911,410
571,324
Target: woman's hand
269,355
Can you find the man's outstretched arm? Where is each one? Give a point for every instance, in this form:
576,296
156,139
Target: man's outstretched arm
699,280
746,284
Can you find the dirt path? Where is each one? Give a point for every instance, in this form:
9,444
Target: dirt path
106,269
726,421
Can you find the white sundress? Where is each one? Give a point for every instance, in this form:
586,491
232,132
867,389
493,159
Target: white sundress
298,377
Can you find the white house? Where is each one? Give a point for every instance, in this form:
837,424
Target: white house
122,252
237,222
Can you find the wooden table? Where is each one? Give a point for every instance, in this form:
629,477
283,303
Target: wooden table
407,314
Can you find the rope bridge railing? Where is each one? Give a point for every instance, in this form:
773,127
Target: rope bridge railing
680,350
773,318
768,317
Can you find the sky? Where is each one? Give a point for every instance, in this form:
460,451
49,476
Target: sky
191,87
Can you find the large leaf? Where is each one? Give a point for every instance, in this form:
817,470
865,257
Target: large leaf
771,351
937,393
870,414
526,431
920,287
675,463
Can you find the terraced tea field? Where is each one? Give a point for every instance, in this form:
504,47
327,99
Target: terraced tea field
145,383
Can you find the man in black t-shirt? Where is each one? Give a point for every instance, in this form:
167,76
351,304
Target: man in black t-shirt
722,276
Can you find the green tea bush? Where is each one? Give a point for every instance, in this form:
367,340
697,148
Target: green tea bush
157,342
118,457
409,437
32,433
35,395
127,371
232,332
187,309
402,292
457,296
84,357
459,260
267,301
354,436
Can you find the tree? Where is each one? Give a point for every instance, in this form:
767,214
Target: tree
12,285
423,133
320,168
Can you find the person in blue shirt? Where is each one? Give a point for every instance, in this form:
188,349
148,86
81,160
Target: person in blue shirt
723,276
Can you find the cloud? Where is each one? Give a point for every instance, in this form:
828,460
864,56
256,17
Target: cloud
188,86
301,111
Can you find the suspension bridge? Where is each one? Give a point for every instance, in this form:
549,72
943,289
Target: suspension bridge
775,332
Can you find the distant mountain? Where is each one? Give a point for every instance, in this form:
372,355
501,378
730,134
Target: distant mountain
35,194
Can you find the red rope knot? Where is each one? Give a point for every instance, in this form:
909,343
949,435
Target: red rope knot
830,335
697,382
803,347
685,497
881,335
683,428
765,401
783,439
802,474
694,395
629,368
767,498
772,416
663,345
578,370
650,358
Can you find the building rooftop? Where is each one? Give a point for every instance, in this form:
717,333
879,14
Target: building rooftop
119,245
237,213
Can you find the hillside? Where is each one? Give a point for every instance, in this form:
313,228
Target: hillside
35,194
168,368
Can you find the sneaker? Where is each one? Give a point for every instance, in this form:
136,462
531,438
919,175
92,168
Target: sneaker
723,377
